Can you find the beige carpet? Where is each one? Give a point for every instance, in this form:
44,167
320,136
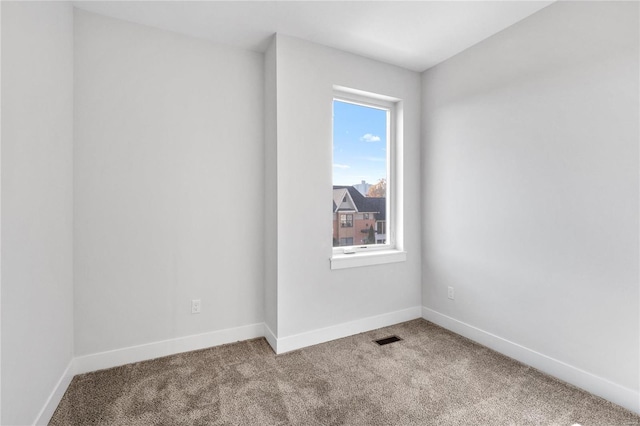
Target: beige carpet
432,377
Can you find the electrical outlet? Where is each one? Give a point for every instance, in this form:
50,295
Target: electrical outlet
450,294
195,306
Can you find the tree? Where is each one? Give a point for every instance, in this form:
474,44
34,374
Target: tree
371,238
379,189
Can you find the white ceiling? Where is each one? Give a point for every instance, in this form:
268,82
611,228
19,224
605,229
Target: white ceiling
411,34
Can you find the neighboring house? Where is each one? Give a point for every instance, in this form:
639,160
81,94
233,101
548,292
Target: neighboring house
354,214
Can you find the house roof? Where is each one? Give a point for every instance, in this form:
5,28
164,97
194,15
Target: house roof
342,200
376,205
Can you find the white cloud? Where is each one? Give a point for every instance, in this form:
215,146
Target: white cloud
340,166
370,138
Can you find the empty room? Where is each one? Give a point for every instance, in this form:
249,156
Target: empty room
167,252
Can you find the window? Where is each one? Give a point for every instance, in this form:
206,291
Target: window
346,241
346,221
364,157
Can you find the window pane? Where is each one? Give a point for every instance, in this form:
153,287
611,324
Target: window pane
360,146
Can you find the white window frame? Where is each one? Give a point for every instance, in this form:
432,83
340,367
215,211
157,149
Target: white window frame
391,251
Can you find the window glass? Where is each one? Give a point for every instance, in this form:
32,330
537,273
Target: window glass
346,220
360,172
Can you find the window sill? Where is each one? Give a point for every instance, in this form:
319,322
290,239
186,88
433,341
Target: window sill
378,257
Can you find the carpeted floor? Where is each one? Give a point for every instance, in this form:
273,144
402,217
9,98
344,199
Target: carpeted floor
432,377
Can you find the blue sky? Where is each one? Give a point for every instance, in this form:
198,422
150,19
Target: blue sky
359,144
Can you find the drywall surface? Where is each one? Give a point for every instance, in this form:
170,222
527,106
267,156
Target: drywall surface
0,215
270,188
37,189
168,178
311,296
530,186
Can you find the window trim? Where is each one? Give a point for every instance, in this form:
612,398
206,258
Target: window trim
379,257
391,251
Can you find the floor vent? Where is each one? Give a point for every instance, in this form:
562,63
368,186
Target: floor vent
387,340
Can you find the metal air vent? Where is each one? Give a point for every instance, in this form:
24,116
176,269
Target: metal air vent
387,340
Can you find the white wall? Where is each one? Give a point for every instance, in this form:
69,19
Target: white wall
271,191
530,188
37,141
167,176
311,296
528,174
0,215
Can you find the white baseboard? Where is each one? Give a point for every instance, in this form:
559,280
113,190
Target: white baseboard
271,338
623,396
314,337
117,357
604,388
114,358
56,395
